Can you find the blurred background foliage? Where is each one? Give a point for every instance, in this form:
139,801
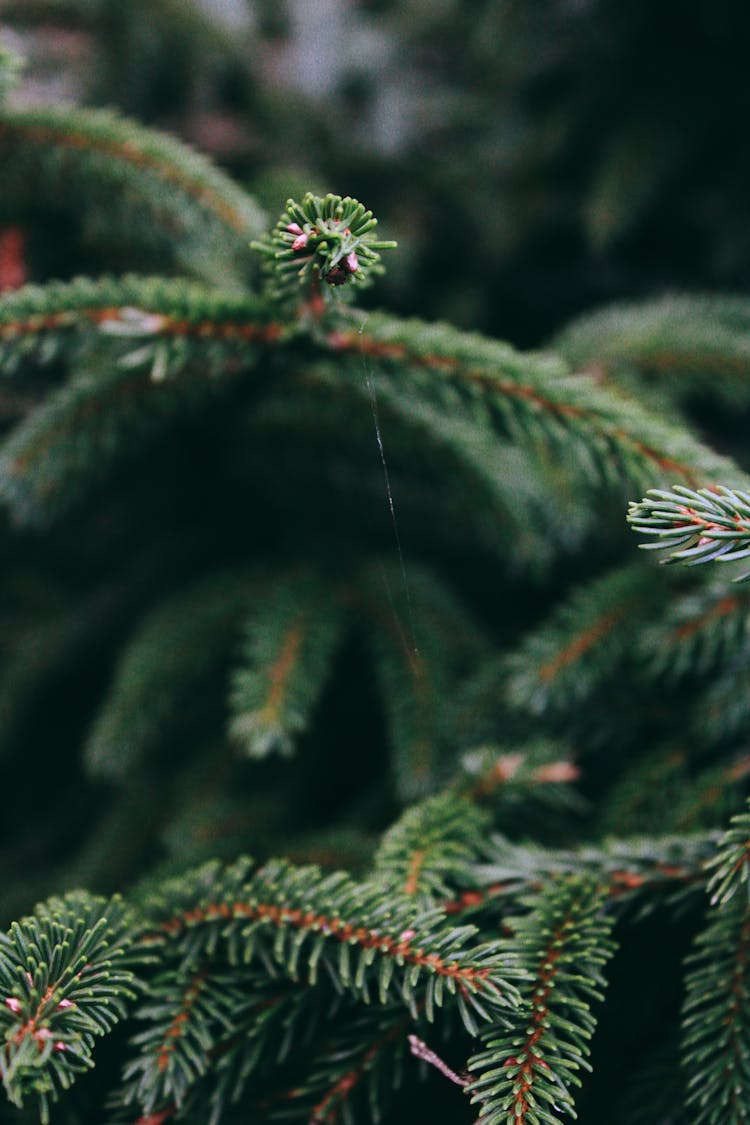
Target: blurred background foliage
533,160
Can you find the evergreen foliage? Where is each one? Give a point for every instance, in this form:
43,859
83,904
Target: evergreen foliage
564,945
290,577
120,179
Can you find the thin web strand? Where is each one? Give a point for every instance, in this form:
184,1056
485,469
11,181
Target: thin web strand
414,649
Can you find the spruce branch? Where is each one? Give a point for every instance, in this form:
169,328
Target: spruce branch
66,974
663,791
439,393
166,668
359,1064
716,1017
527,1073
418,666
524,508
561,664
209,1029
438,846
45,465
286,654
302,921
702,632
630,869
730,867
429,851
534,400
150,186
695,526
723,714
176,319
679,344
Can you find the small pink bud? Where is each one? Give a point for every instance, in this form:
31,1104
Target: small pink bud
12,1003
352,262
294,228
30,979
557,771
301,242
406,935
60,1046
42,1033
66,1004
506,765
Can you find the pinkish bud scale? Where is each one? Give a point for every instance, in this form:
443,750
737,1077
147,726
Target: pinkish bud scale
12,1003
300,242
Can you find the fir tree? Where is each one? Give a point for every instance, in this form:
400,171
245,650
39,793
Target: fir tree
356,594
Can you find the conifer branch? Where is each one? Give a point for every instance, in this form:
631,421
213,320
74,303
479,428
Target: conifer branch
535,399
701,632
182,202
53,321
527,1073
358,1066
45,465
66,974
438,846
563,663
695,527
370,946
429,851
209,1030
716,1016
730,866
723,713
166,668
416,670
627,868
681,344
170,343
663,792
286,656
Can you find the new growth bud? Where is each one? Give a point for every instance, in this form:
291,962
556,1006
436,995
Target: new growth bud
321,240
